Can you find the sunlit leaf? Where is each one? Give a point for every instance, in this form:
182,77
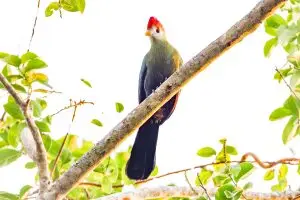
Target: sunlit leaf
231,150
81,5
13,60
269,175
19,88
8,156
119,107
50,8
287,131
24,190
97,122
35,63
269,45
13,110
86,82
30,165
280,113
8,196
44,127
203,176
206,152
28,56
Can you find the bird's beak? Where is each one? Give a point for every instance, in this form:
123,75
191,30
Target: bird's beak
148,33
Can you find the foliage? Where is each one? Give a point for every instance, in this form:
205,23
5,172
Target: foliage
284,28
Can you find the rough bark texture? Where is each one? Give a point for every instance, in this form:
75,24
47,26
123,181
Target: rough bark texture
40,154
177,191
168,89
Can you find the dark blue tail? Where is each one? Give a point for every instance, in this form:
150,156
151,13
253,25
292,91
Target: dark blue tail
142,158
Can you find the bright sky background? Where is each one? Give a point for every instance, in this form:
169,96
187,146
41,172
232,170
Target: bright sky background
232,98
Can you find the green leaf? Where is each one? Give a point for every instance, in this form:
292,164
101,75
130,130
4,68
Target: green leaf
106,185
36,108
206,152
8,156
86,82
24,190
13,60
231,150
290,104
155,171
221,180
28,56
35,63
30,165
204,177
298,170
97,122
284,73
81,5
50,8
246,170
13,110
40,77
283,170
235,169
280,113
119,107
287,131
269,175
14,132
19,88
269,45
248,185
3,55
6,71
223,190
43,126
275,21
47,142
271,31
8,196
69,5
121,159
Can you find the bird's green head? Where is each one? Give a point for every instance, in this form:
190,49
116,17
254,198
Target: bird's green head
155,30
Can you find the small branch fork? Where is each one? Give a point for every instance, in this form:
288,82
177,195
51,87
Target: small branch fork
75,105
41,155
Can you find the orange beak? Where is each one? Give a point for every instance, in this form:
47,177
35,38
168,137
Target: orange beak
148,33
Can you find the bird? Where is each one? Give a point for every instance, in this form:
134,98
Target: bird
161,61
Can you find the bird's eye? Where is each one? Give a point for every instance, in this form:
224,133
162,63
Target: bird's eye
157,30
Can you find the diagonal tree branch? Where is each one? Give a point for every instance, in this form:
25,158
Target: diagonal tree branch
41,155
165,92
180,191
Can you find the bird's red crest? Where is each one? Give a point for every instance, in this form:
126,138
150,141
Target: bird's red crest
153,21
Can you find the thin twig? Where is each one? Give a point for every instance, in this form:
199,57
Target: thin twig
202,186
34,24
262,164
60,12
73,104
3,115
65,139
87,193
190,185
286,83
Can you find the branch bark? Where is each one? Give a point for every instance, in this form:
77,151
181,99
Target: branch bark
165,92
177,191
41,155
